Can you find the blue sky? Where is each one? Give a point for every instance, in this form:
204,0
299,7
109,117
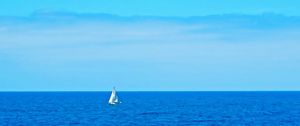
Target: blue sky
76,45
153,7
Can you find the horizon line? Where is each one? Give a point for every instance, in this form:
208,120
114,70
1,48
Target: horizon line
166,91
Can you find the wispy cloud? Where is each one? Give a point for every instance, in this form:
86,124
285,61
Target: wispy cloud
225,49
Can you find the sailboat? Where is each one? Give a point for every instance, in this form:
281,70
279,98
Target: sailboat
113,97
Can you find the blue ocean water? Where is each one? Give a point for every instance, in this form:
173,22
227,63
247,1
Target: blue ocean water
150,108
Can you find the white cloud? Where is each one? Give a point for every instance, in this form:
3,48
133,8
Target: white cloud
215,45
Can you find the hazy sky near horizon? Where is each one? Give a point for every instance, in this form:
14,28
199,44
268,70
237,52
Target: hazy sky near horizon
55,45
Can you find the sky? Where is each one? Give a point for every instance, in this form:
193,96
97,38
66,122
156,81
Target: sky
153,7
138,45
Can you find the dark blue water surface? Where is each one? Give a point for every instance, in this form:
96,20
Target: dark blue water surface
150,108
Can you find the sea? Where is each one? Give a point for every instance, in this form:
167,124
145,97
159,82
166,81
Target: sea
150,109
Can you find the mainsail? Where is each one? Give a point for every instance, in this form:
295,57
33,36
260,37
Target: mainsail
113,97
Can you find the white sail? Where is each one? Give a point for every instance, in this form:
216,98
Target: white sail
113,97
